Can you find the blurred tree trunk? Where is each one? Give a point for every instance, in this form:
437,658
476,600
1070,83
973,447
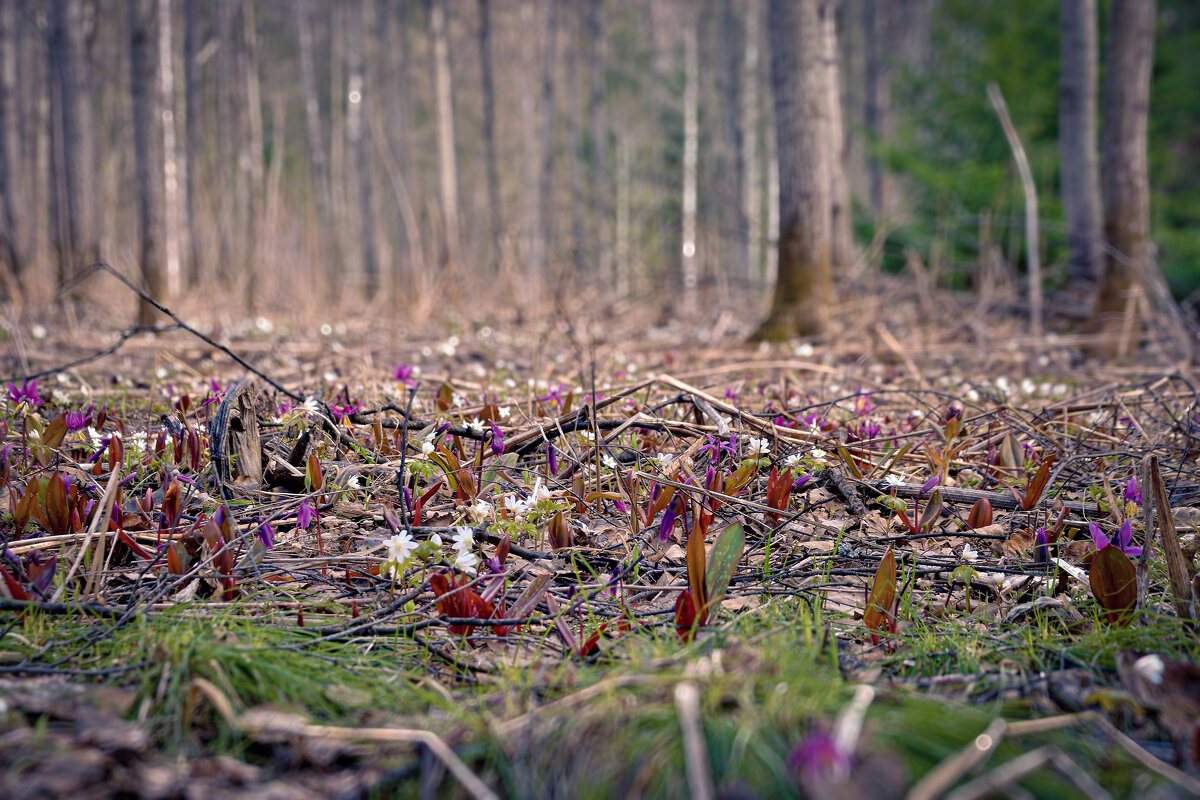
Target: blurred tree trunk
250,157
225,170
191,92
166,85
752,197
1077,149
447,159
691,162
1128,63
143,68
356,138
544,246
326,254
575,147
13,231
600,181
489,135
734,56
878,101
803,289
74,234
841,251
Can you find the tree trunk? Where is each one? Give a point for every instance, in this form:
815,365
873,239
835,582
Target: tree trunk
752,197
1077,149
143,64
488,91
878,102
803,290
575,148
447,159
1129,60
325,254
166,77
12,210
691,162
191,91
600,181
841,252
734,56
544,246
75,236
250,157
356,138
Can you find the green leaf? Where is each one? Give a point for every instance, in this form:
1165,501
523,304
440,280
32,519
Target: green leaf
723,561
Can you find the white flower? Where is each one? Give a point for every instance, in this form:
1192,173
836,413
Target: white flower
1002,386
448,347
504,411
476,425
458,399
792,460
466,561
804,350
353,483
894,480
436,538
758,447
539,492
969,553
818,455
586,436
1059,390
664,460
311,406
1029,387
399,551
427,445
608,461
464,538
916,413
515,505
972,396
480,511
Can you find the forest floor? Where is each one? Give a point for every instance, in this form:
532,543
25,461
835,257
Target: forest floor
600,558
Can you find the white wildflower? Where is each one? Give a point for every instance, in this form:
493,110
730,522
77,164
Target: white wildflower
916,413
353,483
971,396
793,460
476,425
818,455
480,511
894,480
804,350
458,399
464,538
664,460
436,538
539,492
1028,387
427,445
586,436
504,411
466,561
758,447
608,461
1059,390
399,552
515,505
969,553
1003,387
310,406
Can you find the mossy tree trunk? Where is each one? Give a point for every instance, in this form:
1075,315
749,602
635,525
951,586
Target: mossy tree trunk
803,291
1129,60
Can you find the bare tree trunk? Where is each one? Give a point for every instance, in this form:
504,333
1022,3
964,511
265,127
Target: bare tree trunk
841,249
75,237
325,254
166,76
752,197
544,246
1077,148
691,161
13,233
489,135
143,69
446,155
356,137
575,146
803,291
191,89
734,118
1126,111
599,179
225,170
878,101
621,265
250,159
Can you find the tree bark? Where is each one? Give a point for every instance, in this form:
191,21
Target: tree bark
878,102
447,159
250,156
191,91
488,91
691,161
544,246
752,197
734,54
1129,59
13,233
143,60
803,290
170,166
1077,149
325,254
575,152
841,250
75,236
356,138
600,181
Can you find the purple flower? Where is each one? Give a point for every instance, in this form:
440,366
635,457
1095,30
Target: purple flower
1132,492
1120,541
27,393
404,372
715,448
304,516
340,412
1042,543
668,522
927,487
497,439
799,482
613,585
78,420
818,758
266,534
552,458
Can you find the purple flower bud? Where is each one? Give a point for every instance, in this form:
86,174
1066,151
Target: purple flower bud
304,516
668,522
1098,537
497,439
552,458
1042,542
266,534
1132,492
818,758
799,482
928,486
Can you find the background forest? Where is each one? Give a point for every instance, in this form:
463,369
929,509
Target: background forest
411,153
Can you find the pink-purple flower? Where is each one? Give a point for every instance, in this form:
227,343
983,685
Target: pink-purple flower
1120,541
